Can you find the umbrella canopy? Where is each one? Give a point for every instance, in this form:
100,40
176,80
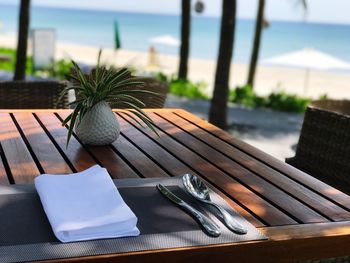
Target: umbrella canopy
167,40
309,59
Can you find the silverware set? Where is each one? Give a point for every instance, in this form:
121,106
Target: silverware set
197,188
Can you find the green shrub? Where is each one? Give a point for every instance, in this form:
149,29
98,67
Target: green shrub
62,69
323,97
10,65
162,77
243,95
276,100
286,102
185,88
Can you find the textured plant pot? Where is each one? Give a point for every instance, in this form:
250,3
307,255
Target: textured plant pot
99,126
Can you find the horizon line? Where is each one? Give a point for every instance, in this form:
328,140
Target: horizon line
339,23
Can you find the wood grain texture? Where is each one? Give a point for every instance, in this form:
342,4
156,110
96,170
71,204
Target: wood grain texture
242,194
295,174
115,165
47,154
3,175
19,159
75,152
172,165
270,194
265,189
137,159
298,191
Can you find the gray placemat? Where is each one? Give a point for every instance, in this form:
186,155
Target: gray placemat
26,235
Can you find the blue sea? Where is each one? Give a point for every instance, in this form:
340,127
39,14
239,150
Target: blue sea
93,27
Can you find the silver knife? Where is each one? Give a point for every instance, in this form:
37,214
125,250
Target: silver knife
208,225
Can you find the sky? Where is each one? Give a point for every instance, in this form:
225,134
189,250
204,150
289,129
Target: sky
323,11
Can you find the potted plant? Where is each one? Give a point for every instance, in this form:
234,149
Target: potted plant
92,118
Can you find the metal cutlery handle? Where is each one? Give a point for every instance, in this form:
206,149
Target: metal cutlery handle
210,227
230,222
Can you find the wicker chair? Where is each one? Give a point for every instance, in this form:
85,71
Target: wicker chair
150,101
323,150
150,84
32,95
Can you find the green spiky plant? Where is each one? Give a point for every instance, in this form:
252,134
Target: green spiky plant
110,86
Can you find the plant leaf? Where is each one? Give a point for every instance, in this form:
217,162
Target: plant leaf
142,116
73,118
132,117
125,97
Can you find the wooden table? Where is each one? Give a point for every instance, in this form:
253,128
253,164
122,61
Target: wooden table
303,217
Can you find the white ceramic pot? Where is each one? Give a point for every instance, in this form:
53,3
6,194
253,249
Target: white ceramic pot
99,126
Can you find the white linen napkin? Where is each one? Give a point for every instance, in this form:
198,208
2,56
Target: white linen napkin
85,206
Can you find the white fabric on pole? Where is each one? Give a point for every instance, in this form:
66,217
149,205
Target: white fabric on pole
167,40
309,59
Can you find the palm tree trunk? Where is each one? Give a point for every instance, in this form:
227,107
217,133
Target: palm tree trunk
218,105
256,45
21,55
185,38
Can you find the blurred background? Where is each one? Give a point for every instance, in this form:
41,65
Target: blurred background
281,54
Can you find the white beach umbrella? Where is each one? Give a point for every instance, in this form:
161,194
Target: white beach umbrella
167,40
308,59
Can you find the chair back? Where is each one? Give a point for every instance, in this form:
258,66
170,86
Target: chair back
323,149
150,84
32,95
150,101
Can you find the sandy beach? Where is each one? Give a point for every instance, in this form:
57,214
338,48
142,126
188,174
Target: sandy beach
267,130
334,84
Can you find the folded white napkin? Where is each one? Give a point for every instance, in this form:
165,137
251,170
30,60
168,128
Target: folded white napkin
85,206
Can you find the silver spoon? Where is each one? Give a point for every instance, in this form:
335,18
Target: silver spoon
197,188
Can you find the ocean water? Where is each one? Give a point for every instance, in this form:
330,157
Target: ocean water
96,28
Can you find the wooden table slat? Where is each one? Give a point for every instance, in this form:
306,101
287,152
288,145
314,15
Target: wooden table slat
23,167
75,153
139,160
297,175
115,165
285,202
317,202
282,201
245,196
173,166
3,175
45,151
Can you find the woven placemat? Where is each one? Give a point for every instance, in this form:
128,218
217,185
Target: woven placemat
26,235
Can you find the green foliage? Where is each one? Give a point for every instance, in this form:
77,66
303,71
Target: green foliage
275,100
184,88
10,65
162,77
110,86
243,95
286,102
7,65
323,97
60,69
